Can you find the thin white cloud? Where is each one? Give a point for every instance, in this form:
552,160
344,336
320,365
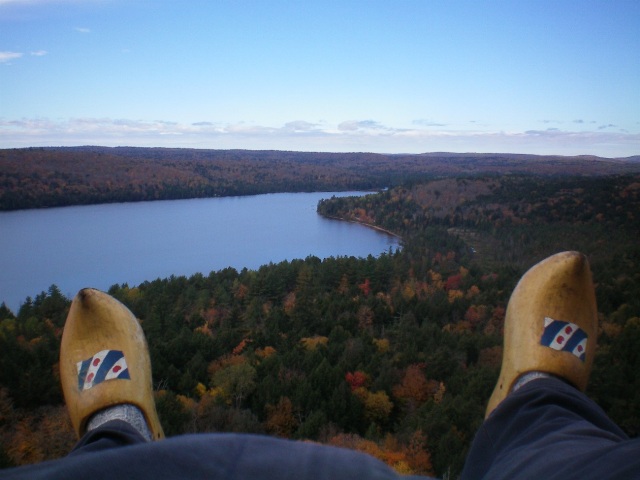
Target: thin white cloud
356,125
39,53
6,57
369,135
247,129
430,123
300,126
82,30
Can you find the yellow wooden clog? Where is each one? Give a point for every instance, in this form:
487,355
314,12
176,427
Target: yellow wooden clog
104,361
550,324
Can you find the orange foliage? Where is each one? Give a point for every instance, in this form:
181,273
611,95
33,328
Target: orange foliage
44,435
415,389
411,459
417,454
356,442
473,291
365,287
189,404
280,418
205,330
265,352
225,362
241,346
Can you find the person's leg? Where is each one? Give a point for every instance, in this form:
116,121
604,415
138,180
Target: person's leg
547,427
105,373
116,426
112,434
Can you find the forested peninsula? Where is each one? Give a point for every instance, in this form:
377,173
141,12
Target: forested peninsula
393,355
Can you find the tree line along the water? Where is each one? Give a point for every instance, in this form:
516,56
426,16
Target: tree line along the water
59,176
394,355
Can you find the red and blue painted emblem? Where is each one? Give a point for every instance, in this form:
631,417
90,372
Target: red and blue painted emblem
564,336
104,365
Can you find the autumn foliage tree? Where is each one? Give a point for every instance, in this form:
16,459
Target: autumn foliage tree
415,388
281,420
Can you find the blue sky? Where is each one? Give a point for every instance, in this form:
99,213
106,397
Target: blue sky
392,76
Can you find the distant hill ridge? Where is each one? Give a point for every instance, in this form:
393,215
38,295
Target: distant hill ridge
39,177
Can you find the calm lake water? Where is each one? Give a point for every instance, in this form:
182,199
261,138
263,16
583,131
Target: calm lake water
101,245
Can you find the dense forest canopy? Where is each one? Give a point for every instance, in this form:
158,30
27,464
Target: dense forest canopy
48,177
395,356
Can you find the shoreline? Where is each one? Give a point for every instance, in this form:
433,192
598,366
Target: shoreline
375,227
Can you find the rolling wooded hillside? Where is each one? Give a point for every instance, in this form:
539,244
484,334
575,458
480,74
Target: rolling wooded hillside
48,177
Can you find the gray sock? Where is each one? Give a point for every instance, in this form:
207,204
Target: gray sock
528,377
127,413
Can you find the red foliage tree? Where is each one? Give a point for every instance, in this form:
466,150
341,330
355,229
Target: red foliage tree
356,379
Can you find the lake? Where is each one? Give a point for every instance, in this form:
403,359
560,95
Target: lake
102,245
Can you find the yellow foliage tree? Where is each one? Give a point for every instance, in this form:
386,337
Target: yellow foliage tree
377,406
454,295
436,280
382,344
311,343
408,290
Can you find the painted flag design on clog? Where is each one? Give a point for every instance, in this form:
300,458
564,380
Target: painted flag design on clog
564,336
104,365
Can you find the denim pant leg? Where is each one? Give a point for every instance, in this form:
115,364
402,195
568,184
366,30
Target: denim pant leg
548,429
113,434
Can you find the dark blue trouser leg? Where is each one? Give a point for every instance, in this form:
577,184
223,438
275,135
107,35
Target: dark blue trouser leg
546,430
210,456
